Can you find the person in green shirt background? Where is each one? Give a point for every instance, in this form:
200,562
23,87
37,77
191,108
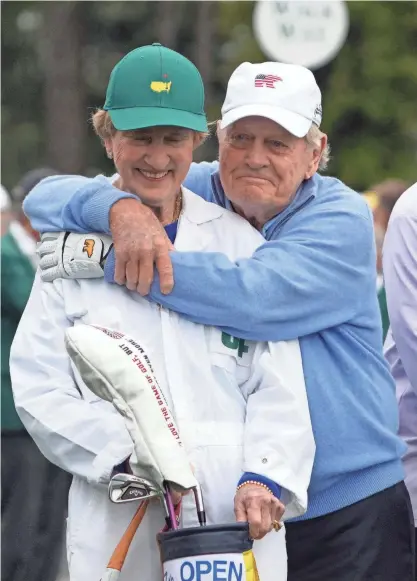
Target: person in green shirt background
382,198
33,491
17,274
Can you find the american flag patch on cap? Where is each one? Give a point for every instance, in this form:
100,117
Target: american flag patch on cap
266,81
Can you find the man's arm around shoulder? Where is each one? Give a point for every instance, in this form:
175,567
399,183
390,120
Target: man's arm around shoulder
80,204
314,276
73,203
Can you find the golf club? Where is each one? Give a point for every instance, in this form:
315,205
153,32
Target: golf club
198,499
128,488
170,507
136,394
119,555
199,504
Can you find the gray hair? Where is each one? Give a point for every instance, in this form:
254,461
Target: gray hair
313,138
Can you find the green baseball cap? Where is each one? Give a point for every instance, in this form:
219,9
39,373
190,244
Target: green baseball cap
153,85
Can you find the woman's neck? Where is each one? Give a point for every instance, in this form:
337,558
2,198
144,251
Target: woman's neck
167,213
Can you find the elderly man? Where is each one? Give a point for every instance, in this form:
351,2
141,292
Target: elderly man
400,273
314,278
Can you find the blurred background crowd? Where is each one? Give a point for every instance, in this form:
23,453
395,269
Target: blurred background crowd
56,58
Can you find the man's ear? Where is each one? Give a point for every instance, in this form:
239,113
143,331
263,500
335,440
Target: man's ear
315,161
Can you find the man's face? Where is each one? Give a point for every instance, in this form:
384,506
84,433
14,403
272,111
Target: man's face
152,162
262,166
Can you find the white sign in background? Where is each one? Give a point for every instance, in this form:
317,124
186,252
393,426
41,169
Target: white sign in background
303,33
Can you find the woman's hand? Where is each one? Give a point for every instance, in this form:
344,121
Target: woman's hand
256,505
140,241
177,496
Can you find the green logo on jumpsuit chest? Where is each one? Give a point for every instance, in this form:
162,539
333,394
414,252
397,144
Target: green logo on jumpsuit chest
235,343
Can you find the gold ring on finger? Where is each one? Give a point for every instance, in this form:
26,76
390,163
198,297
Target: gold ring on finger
276,525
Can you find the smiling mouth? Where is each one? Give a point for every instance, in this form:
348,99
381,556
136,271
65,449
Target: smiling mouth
152,175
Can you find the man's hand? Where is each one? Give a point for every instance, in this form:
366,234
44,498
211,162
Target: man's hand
140,241
259,507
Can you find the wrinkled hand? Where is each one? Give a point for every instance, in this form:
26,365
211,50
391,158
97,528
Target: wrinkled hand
140,241
257,506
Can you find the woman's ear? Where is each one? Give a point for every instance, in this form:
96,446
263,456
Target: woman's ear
108,144
198,139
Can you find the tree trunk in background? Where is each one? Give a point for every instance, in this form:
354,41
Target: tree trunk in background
167,22
204,56
205,60
66,115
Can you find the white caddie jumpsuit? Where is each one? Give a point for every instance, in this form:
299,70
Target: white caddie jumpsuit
239,405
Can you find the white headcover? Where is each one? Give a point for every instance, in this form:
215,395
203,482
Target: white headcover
116,368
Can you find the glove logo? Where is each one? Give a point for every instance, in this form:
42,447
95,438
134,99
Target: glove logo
88,247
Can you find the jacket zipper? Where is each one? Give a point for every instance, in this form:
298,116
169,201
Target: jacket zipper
285,219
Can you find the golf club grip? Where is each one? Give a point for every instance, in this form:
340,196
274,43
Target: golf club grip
120,552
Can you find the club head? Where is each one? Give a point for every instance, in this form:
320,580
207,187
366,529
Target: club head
129,488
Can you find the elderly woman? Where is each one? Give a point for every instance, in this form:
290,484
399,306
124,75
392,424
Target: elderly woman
240,406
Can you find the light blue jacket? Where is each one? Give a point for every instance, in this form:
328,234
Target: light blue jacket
314,279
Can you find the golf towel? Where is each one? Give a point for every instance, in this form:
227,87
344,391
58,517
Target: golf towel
208,554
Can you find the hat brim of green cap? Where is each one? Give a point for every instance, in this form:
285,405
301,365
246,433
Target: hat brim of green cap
141,117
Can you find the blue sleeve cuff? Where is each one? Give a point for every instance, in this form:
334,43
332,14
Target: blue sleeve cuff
97,209
273,486
109,266
123,467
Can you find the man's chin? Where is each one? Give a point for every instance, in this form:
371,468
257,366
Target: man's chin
251,192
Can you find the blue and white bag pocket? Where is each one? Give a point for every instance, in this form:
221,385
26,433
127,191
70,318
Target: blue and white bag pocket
208,554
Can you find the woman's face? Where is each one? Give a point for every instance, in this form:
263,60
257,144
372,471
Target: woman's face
153,162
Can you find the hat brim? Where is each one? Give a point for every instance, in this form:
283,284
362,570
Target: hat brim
295,124
141,117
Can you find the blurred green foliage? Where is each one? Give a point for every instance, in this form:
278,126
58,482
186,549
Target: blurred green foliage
369,90
370,101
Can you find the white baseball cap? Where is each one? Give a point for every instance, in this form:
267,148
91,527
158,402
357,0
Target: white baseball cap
287,94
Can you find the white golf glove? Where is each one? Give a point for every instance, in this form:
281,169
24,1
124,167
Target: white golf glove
69,255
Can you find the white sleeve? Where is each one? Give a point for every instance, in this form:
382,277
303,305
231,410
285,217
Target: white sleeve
85,438
279,441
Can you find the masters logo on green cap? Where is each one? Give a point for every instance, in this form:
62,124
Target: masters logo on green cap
153,85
